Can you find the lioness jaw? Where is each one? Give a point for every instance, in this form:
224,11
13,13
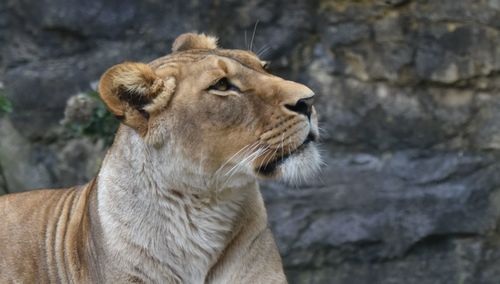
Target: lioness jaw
176,199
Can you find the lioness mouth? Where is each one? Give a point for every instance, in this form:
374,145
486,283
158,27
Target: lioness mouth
269,168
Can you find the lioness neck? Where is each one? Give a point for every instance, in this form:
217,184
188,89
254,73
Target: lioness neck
158,222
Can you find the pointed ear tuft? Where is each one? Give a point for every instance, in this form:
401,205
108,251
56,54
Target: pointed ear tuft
194,41
132,91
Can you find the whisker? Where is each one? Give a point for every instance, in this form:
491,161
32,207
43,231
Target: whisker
253,34
274,153
244,160
265,157
292,174
247,161
262,48
250,159
240,152
237,166
246,42
281,145
235,155
322,131
263,51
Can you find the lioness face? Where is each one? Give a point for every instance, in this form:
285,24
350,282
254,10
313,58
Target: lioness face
221,109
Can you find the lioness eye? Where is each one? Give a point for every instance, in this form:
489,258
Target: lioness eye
223,85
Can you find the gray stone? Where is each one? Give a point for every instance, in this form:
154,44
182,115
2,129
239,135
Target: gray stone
393,2
53,82
368,213
21,169
344,34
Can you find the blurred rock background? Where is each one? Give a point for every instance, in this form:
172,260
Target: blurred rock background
409,108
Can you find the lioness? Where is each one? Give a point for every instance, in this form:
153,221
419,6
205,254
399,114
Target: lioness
176,199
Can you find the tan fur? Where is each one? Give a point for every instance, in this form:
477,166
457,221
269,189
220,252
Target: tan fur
176,199
194,41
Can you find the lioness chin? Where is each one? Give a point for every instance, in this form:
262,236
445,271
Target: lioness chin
176,199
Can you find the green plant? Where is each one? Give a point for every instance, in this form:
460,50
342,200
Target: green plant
5,104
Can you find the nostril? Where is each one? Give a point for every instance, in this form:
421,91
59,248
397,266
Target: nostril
303,106
300,107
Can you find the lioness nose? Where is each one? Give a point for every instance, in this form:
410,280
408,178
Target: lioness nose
302,106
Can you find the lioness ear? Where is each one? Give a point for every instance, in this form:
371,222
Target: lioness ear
132,92
194,41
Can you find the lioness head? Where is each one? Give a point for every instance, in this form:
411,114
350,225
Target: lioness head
220,109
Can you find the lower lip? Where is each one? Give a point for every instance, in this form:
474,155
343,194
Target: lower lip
269,169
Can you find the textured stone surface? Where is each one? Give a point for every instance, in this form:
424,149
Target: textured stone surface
370,213
408,103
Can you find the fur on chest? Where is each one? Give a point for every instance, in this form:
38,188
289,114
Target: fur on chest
172,235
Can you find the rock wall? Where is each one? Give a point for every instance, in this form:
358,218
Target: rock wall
408,102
